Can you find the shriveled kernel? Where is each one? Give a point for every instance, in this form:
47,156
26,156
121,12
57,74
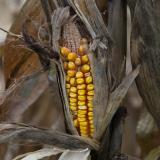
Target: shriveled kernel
82,86
68,86
82,107
82,112
79,75
89,98
73,95
73,100
73,108
72,56
81,103
90,93
81,98
89,79
90,87
80,80
65,51
85,68
87,74
85,59
73,89
90,113
78,61
72,81
67,78
75,122
71,73
73,104
65,65
81,92
71,65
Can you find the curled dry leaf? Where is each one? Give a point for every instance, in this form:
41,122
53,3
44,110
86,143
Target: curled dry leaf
47,152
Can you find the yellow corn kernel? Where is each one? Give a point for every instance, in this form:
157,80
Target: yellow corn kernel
71,73
83,123
67,78
82,86
82,119
79,75
81,50
78,61
90,118
82,116
73,89
90,104
74,100
81,92
83,128
72,56
73,81
73,95
90,93
92,131
92,126
84,133
82,112
73,104
89,80
90,113
90,109
85,59
75,122
73,108
89,98
65,51
85,68
65,65
81,98
91,122
90,87
87,74
68,86
80,80
82,107
71,65
81,103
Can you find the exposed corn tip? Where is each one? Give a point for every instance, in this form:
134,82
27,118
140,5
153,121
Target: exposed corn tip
80,88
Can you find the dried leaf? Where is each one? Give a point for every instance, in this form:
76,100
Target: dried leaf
116,98
39,154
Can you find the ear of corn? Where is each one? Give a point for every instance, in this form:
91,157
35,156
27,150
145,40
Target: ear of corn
80,88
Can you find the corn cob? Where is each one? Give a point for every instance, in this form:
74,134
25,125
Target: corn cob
80,88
